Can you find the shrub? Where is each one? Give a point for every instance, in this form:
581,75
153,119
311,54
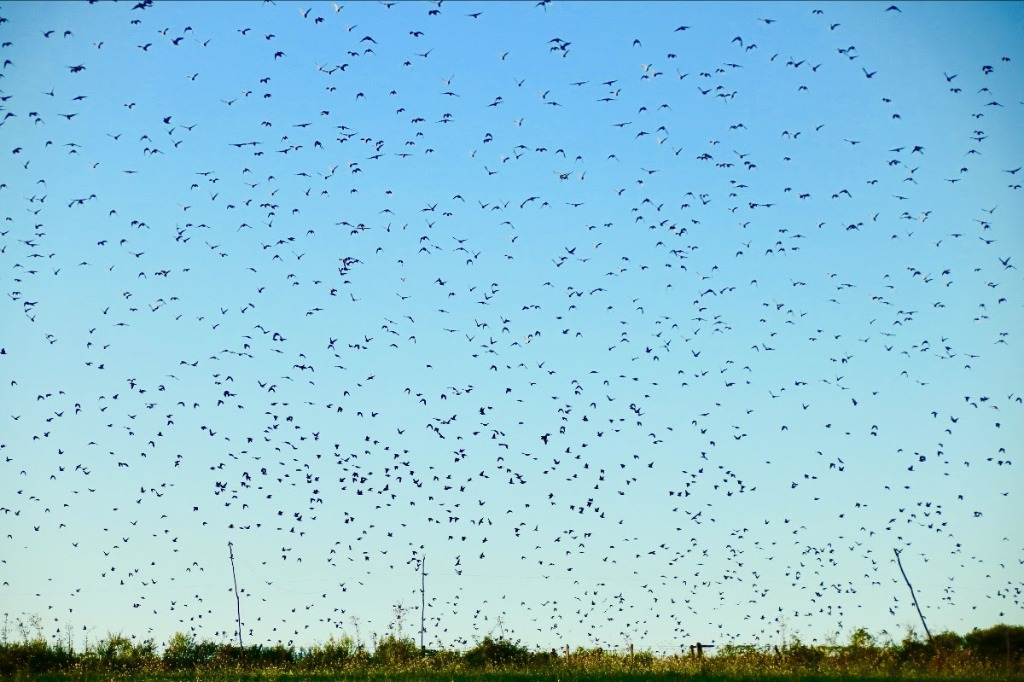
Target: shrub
998,644
392,651
443,659
183,652
947,643
800,654
331,655
227,656
33,657
496,652
253,657
643,659
861,639
264,657
118,653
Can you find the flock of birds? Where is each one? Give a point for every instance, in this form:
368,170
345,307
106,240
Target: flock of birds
599,322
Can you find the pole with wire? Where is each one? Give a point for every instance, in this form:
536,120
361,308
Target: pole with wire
912,595
238,602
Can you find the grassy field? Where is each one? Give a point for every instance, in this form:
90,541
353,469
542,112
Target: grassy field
995,653
708,674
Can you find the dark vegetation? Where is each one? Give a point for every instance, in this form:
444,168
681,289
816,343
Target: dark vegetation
993,653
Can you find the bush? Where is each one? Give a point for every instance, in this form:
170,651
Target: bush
332,655
33,657
394,651
496,652
253,657
264,657
861,639
998,644
118,653
802,655
183,652
912,650
443,659
947,643
643,659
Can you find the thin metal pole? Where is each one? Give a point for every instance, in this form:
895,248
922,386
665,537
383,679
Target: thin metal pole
423,602
912,596
238,602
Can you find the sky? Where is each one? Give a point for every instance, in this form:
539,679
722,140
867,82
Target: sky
604,323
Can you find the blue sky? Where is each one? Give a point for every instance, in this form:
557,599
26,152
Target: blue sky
638,333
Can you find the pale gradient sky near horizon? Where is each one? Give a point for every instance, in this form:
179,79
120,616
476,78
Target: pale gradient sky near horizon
639,333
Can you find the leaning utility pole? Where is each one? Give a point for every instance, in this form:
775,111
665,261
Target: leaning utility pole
900,564
238,603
